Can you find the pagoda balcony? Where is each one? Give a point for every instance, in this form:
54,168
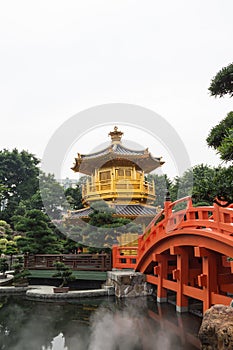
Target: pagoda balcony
125,189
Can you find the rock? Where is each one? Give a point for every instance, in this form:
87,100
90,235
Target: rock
129,284
216,331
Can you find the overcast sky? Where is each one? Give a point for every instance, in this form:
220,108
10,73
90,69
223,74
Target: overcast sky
58,58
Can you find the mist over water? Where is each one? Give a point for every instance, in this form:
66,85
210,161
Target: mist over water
127,329
92,324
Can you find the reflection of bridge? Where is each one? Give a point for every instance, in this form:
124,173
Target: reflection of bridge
186,329
185,251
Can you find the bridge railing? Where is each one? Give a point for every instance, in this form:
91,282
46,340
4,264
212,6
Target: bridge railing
124,257
177,215
168,220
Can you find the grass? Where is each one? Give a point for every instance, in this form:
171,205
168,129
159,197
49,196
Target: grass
81,275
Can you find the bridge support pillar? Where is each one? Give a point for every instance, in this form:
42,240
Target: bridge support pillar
208,279
180,274
161,270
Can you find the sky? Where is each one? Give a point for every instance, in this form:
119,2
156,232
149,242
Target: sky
58,58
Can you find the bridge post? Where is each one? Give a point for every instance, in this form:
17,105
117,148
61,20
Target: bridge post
167,208
161,270
181,274
217,216
114,255
208,279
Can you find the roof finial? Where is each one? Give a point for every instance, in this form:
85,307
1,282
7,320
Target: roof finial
116,135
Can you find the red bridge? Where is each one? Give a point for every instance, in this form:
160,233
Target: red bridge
186,251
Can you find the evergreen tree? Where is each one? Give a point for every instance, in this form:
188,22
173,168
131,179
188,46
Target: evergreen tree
162,185
74,197
104,227
222,83
38,236
18,178
221,138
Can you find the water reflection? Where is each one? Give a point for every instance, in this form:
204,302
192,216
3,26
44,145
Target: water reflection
100,324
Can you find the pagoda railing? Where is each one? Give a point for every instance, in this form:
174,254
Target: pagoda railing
118,188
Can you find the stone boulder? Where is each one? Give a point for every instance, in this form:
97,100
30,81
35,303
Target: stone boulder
129,284
216,331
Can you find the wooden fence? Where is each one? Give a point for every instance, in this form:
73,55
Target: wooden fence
81,262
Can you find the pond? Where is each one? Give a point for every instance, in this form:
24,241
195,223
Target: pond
95,324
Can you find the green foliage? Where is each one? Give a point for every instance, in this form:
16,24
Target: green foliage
207,184
18,178
104,227
20,273
182,186
5,227
198,182
3,244
221,138
204,188
38,236
7,244
223,183
74,197
2,232
219,132
52,194
63,272
3,266
11,248
162,185
102,214
73,232
226,148
222,83
69,246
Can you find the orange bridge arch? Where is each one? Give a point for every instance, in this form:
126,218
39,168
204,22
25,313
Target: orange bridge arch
185,249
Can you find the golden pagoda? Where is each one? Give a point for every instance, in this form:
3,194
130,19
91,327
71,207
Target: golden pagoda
116,174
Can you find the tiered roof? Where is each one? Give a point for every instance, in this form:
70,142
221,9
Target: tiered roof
130,211
87,163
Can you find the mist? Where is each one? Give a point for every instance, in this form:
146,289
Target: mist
98,324
127,329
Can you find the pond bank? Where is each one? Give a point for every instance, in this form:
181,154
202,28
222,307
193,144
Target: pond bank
122,284
46,292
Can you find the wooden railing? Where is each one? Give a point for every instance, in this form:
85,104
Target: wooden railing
81,262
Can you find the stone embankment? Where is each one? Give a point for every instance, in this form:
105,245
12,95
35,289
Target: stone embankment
129,284
216,331
122,284
46,292
4,281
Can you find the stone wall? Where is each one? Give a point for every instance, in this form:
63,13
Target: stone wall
129,284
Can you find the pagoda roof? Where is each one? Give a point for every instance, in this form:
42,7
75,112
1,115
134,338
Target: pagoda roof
122,210
87,163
